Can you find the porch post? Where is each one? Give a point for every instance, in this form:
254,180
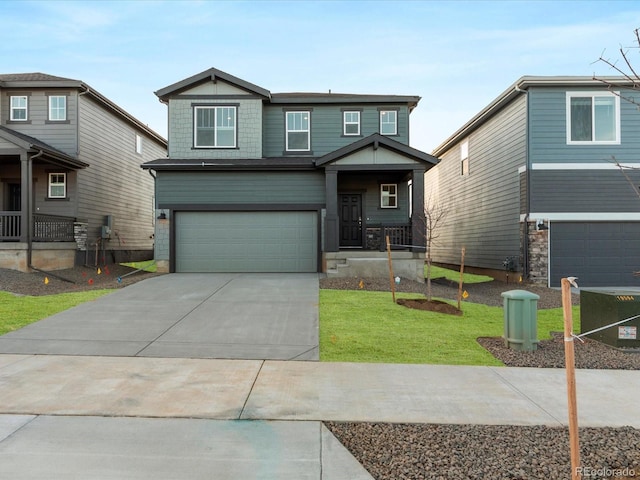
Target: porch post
331,200
417,217
26,227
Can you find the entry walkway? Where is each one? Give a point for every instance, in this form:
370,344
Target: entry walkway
165,418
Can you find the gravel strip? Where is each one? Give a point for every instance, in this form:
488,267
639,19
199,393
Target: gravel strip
412,451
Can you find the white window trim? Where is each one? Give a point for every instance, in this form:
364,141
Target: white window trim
395,124
13,109
570,95
215,129
345,123
51,184
464,158
389,195
288,130
51,119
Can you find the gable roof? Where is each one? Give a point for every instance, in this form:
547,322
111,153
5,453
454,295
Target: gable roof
43,80
376,140
519,87
33,144
211,75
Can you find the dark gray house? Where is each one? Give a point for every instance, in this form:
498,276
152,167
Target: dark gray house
532,185
287,182
70,184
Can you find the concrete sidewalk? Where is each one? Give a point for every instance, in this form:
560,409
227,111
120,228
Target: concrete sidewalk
164,418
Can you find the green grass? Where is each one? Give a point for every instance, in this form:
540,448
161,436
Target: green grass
364,326
19,311
439,272
147,266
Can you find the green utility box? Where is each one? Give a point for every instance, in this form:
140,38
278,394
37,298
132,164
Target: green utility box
521,320
604,307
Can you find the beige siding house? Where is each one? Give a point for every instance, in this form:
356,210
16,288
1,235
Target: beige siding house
71,189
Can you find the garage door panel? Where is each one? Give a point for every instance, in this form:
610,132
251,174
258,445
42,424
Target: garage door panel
598,253
246,241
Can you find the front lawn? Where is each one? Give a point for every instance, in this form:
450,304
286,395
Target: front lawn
365,326
19,311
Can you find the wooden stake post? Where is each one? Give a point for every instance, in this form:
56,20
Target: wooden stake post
571,377
392,281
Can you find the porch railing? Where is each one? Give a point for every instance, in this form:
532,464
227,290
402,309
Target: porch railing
399,237
46,228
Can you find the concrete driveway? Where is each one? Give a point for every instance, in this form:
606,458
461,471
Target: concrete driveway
236,316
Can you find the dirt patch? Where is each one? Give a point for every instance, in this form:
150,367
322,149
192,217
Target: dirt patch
70,280
429,306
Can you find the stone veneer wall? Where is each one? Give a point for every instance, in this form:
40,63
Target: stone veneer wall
161,251
538,253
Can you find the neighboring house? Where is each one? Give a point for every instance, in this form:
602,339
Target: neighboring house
287,182
532,188
71,190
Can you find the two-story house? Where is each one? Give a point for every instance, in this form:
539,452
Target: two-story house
532,186
71,190
287,182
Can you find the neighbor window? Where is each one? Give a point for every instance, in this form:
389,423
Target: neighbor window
388,122
138,144
215,127
18,109
57,185
389,195
351,123
593,118
464,158
298,132
57,108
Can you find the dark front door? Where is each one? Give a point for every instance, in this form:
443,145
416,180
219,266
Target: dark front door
351,220
14,197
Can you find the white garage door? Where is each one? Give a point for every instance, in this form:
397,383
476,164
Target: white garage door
246,241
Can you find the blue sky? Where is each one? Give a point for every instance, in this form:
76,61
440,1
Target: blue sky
456,55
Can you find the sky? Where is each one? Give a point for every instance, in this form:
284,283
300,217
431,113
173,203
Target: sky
456,55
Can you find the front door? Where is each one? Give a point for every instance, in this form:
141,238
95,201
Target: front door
351,220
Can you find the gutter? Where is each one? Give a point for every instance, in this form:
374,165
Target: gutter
30,211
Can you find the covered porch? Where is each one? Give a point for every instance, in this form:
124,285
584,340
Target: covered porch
374,188
37,222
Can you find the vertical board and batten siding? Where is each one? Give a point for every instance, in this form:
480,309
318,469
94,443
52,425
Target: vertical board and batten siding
590,190
220,188
327,125
114,184
60,135
482,207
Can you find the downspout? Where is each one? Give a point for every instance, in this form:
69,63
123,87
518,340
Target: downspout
525,240
30,211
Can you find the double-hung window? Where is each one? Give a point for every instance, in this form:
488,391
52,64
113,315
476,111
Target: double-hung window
351,123
593,118
18,108
464,158
298,132
215,127
388,122
57,185
389,195
57,108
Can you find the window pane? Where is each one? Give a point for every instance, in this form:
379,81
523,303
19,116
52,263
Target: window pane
351,128
57,190
605,118
298,141
581,119
388,123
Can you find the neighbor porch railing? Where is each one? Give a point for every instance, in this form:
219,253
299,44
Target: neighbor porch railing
399,237
46,228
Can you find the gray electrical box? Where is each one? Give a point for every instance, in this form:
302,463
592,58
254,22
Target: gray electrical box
604,307
521,320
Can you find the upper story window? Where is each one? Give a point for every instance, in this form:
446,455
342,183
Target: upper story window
388,122
138,144
57,185
593,118
215,127
18,108
298,132
57,108
351,123
464,158
389,195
